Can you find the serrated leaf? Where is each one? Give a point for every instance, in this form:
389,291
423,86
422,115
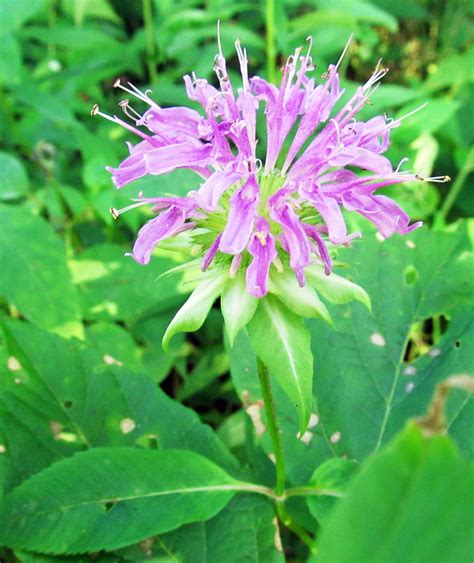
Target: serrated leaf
36,279
287,353
243,531
96,402
193,313
238,306
112,286
412,502
107,498
365,389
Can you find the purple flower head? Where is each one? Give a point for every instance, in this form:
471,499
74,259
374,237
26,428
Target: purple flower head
286,211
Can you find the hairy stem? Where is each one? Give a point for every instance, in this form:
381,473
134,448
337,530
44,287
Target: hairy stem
272,426
150,41
273,430
270,39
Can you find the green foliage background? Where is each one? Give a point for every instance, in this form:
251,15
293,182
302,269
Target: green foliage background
82,368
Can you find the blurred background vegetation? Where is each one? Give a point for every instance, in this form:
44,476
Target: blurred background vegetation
59,57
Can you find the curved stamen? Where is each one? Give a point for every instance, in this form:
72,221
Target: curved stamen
114,119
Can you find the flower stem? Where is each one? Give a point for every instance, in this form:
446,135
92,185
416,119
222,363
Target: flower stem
150,42
457,185
270,40
272,425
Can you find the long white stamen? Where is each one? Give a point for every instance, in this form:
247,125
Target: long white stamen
344,51
242,56
400,119
219,45
114,119
134,91
435,179
126,108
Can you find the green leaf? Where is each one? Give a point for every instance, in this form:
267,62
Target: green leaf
366,385
303,301
107,498
412,502
113,287
114,345
13,13
38,281
287,354
330,479
301,455
97,402
243,531
193,313
10,61
13,178
238,306
336,289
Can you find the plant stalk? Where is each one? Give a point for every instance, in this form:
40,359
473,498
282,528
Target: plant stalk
274,431
272,425
150,40
270,35
457,186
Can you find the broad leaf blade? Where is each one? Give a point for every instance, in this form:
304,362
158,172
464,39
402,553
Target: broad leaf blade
91,403
244,531
281,340
364,388
36,278
107,498
412,502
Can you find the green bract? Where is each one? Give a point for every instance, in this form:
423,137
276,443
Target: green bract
273,320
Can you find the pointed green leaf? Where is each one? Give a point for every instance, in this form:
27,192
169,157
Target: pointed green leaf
281,340
243,532
107,498
330,479
336,289
412,502
38,281
193,313
95,402
379,383
238,306
303,301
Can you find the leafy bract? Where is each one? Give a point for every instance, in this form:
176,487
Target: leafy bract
35,277
302,454
107,498
281,340
193,313
412,502
238,306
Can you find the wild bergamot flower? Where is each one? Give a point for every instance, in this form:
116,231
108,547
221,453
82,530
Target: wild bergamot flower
273,217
